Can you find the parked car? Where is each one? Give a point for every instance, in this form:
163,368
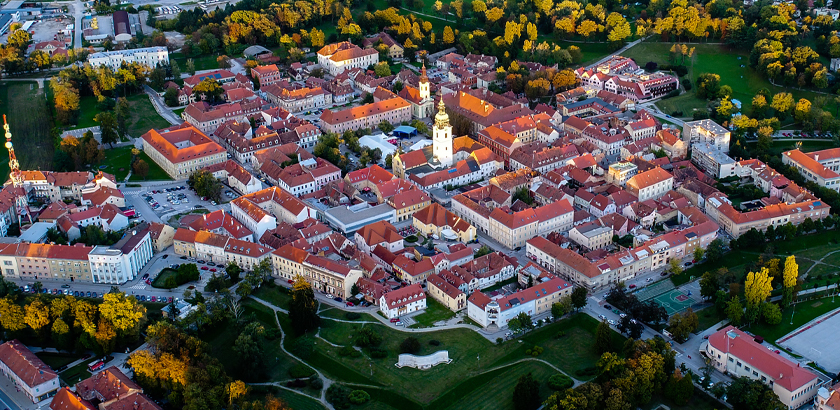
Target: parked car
395,320
204,268
337,299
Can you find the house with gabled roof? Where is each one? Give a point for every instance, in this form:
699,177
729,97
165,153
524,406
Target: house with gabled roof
27,371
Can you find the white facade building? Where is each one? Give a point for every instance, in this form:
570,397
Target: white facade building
150,57
403,301
122,262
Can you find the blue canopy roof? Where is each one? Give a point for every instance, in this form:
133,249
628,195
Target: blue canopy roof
405,129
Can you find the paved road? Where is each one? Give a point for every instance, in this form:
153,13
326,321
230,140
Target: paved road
78,10
619,51
161,107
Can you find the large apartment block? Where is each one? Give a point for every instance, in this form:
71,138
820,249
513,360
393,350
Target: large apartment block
150,57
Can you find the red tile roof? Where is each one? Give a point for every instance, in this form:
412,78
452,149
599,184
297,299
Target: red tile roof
23,363
403,296
784,372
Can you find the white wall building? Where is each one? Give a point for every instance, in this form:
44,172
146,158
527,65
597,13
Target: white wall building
403,301
122,262
150,57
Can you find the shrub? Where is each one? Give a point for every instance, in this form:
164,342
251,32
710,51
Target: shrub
337,396
687,84
378,353
315,382
560,334
534,351
411,239
368,337
348,351
587,372
296,383
560,382
359,397
410,345
272,334
499,340
434,342
352,316
300,371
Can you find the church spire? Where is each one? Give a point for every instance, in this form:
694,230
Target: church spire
423,77
442,118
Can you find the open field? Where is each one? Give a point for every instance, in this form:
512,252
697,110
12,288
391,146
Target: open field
117,162
206,62
712,58
497,393
160,279
222,338
56,360
435,312
778,147
29,121
472,356
76,373
143,116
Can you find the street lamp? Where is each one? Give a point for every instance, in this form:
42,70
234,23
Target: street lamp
792,313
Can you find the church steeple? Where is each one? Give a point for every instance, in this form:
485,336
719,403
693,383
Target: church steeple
442,136
425,92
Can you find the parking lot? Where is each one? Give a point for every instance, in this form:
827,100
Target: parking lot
159,203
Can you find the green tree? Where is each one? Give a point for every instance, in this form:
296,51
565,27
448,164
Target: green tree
108,128
382,69
170,97
579,294
205,184
771,313
708,285
233,270
714,251
386,126
141,168
410,345
603,338
61,334
190,66
698,254
526,393
303,309
734,311
746,394
123,113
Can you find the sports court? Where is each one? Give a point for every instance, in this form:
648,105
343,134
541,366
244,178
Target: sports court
654,290
813,340
674,301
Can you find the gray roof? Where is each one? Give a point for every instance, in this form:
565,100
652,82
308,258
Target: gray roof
255,50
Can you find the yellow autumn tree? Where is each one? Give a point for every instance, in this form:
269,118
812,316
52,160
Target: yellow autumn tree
122,312
789,278
448,35
11,315
757,288
37,315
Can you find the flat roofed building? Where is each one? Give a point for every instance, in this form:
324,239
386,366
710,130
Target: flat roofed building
706,131
181,150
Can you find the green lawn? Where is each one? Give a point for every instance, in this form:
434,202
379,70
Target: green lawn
206,62
435,312
160,280
342,315
278,296
497,391
221,339
803,312
294,401
712,58
708,318
29,119
117,162
87,111
76,373
143,116
445,384
56,360
156,173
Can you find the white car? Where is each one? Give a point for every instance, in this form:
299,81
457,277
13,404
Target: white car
612,322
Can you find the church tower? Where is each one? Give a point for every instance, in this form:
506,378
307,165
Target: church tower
442,137
424,84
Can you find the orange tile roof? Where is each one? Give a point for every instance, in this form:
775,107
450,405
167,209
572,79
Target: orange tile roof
649,178
349,114
65,399
165,140
379,232
808,161
108,384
